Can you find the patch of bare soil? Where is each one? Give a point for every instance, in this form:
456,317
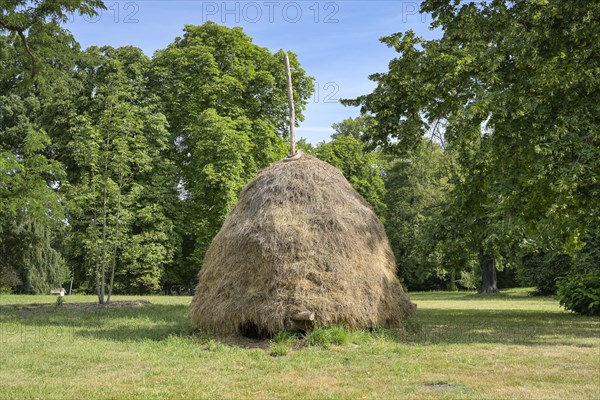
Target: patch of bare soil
249,343
25,313
112,304
30,310
439,386
244,342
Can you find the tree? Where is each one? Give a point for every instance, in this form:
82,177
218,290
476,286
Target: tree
362,169
226,103
416,199
513,87
33,218
306,147
31,213
118,139
359,127
21,17
221,165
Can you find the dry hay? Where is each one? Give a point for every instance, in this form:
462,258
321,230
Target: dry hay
300,239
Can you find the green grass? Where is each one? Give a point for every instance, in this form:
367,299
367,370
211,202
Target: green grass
460,345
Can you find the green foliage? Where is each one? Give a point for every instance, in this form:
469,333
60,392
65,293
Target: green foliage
362,169
359,128
60,300
221,165
580,293
27,22
118,146
468,280
305,146
543,271
213,66
416,195
15,14
510,89
31,213
226,103
285,337
587,260
8,280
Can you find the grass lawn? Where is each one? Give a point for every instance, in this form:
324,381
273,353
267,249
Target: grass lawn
460,346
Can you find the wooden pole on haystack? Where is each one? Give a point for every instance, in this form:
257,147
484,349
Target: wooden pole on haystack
291,105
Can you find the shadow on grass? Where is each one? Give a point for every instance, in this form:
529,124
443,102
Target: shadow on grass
462,296
157,322
150,322
502,327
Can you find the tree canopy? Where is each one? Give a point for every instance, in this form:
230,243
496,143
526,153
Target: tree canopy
511,89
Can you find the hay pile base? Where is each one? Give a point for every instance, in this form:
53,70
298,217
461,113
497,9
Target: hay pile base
301,247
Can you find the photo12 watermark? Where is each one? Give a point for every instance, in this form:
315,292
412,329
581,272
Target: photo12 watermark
270,12
326,93
410,9
118,12
35,333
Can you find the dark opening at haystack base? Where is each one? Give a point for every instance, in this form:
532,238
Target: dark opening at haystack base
300,248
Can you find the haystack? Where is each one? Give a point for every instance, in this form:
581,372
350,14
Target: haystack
301,247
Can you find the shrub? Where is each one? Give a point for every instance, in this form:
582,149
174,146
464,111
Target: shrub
580,293
468,280
8,280
543,270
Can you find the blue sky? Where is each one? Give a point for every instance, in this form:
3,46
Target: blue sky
337,41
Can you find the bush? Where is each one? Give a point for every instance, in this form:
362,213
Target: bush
468,280
580,293
5,290
543,270
8,280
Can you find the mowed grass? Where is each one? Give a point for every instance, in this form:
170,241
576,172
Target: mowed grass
460,346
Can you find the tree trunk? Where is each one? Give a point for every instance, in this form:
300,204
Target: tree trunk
104,242
97,266
116,245
489,283
97,270
105,207
452,283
